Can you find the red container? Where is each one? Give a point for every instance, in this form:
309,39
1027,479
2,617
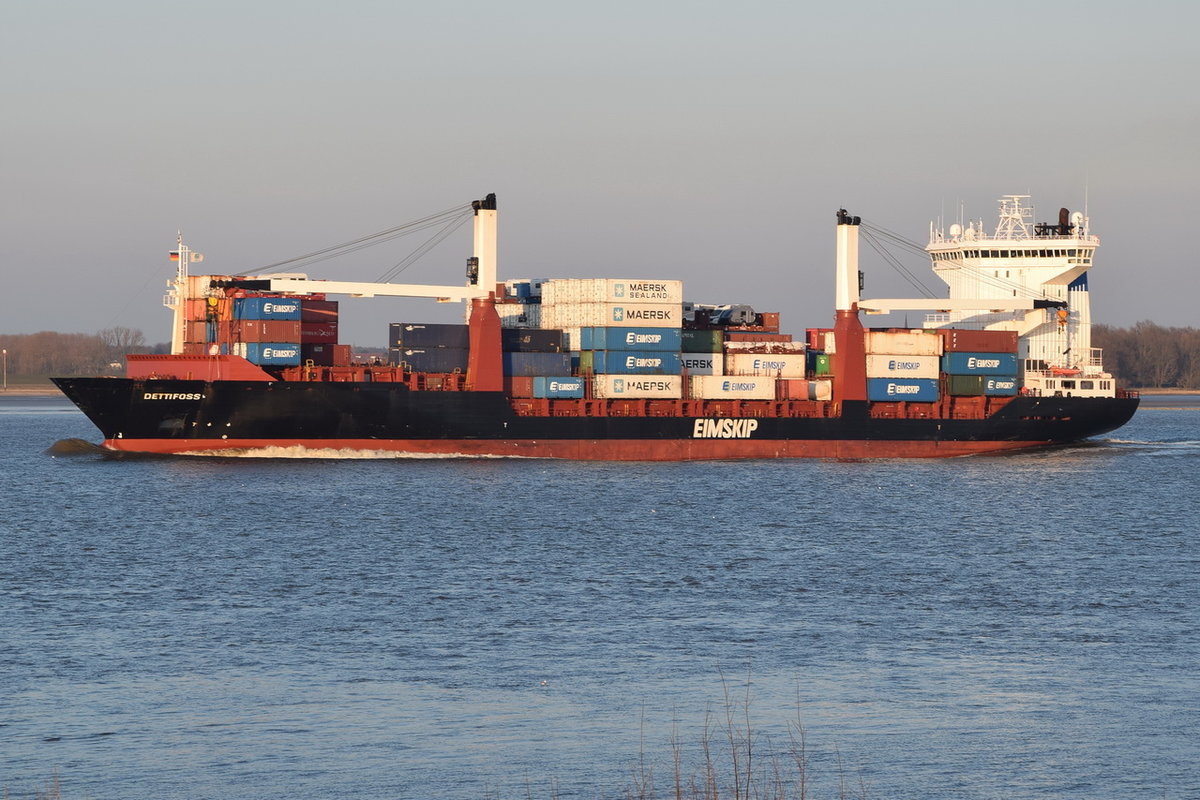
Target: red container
341,355
260,330
791,388
975,341
195,331
318,332
770,320
318,310
519,386
743,336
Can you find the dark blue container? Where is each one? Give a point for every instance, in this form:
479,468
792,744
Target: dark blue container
979,364
629,362
532,365
531,340
909,390
999,386
278,308
657,340
274,354
422,336
558,387
430,359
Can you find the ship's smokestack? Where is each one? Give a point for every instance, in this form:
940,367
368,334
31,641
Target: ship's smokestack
482,269
846,296
849,361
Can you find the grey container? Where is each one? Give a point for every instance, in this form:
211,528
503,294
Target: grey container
431,359
422,335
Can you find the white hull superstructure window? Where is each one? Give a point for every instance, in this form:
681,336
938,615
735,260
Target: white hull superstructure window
1046,263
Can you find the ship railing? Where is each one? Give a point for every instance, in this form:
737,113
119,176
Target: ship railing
1096,358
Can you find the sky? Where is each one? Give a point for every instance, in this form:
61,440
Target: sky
702,141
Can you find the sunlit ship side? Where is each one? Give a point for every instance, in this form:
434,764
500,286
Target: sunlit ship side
1003,364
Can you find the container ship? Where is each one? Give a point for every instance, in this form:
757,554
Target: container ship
626,369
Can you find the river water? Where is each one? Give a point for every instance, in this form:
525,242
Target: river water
1025,626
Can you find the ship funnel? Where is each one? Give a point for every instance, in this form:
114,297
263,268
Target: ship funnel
849,359
482,268
847,288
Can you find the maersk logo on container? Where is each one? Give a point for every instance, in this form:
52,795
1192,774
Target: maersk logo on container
620,385
618,314
643,313
635,362
724,428
903,388
974,362
643,290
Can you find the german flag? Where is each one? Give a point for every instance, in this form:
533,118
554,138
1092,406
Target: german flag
174,255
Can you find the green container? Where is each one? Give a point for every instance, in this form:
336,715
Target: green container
821,364
703,341
586,361
964,385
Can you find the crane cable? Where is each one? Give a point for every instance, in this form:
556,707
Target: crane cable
458,214
994,281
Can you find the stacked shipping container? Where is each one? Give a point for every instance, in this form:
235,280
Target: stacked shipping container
903,365
978,362
268,330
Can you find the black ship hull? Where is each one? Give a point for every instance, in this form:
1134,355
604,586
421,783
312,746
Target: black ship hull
188,416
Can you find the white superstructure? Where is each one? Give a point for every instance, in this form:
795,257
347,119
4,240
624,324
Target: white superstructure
1022,262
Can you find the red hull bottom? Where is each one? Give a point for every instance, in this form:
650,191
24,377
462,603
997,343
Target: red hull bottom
573,449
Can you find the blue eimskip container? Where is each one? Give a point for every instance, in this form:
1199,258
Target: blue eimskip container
274,354
979,364
281,308
630,362
657,340
910,390
557,387
999,386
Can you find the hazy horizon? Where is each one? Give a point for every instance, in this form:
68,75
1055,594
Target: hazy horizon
697,142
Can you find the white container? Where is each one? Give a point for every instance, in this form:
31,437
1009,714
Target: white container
730,387
637,315
703,363
820,390
905,343
776,365
517,315
638,386
612,290
767,347
572,337
897,366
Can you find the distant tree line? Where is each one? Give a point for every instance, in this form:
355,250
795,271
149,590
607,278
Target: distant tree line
1151,356
36,356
